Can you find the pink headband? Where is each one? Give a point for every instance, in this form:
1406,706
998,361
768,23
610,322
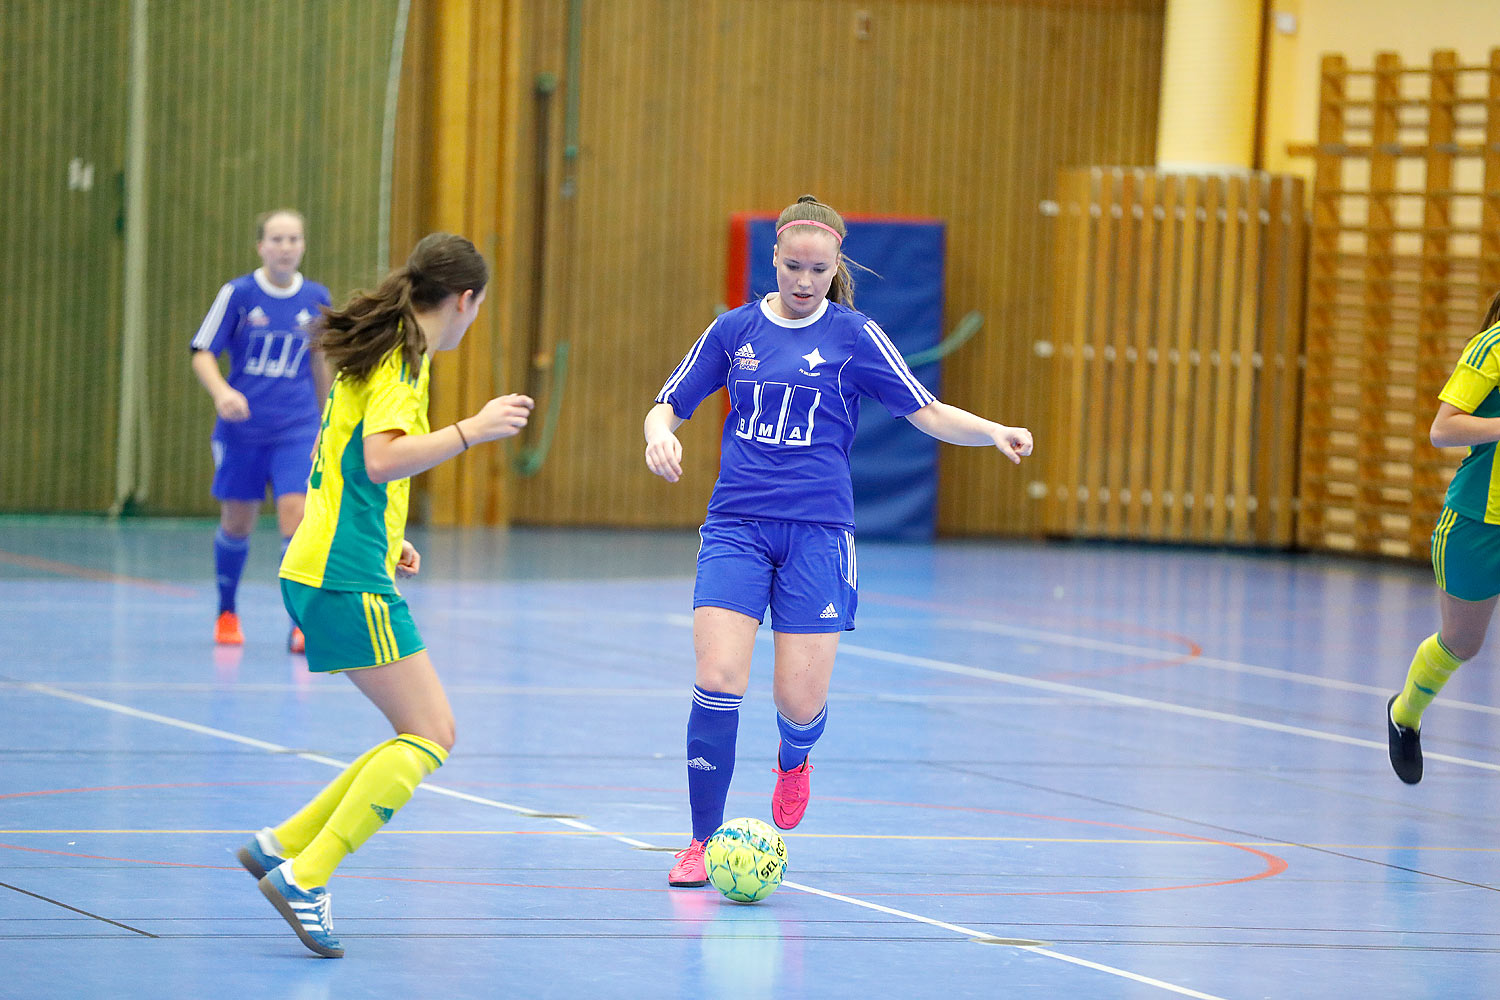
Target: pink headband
810,222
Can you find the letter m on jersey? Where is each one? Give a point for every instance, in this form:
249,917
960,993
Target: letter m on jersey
775,412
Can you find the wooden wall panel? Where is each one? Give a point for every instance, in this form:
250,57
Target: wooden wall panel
62,72
689,110
1175,369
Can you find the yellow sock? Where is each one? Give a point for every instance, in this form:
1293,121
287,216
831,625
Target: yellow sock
298,831
1430,670
378,791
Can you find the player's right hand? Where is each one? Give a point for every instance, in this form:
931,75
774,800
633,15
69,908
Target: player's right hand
233,407
664,457
503,416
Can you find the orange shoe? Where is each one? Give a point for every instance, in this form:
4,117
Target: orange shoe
227,630
296,643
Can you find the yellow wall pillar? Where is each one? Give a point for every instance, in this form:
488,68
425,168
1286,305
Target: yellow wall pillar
463,98
1210,85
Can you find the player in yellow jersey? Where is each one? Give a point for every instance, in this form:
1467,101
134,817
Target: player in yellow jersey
338,575
1465,544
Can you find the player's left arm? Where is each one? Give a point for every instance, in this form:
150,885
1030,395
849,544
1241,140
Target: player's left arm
322,374
958,426
410,561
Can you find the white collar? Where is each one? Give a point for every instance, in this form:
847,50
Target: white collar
770,314
264,281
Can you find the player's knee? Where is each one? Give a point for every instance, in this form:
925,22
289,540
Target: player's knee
725,678
438,730
800,707
1464,647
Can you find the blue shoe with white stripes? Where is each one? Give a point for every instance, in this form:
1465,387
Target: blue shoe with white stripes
261,854
309,911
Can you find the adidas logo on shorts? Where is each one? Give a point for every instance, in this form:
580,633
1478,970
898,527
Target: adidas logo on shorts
828,612
701,764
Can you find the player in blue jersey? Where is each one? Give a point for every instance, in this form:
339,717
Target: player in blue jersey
779,530
270,405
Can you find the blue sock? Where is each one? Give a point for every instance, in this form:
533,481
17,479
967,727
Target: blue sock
229,563
797,740
712,726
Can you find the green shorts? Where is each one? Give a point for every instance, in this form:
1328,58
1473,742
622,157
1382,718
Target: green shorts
1466,556
348,630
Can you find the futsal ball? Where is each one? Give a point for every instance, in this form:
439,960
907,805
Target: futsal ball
746,860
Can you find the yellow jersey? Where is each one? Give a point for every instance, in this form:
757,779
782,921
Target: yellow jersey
351,531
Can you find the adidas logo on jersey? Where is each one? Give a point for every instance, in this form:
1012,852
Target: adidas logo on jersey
745,359
258,317
828,612
701,764
302,317
745,352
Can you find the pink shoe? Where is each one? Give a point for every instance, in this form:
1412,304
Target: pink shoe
789,800
689,872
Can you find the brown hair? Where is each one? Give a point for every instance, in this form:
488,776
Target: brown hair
809,209
265,217
1492,314
355,338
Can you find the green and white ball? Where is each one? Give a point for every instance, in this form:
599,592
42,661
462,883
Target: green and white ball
746,860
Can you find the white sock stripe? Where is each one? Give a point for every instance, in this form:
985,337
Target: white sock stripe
717,702
801,727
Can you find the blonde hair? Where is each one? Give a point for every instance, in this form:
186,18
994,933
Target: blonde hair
265,217
809,209
355,338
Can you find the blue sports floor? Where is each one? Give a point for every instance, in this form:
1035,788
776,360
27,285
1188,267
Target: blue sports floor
1050,771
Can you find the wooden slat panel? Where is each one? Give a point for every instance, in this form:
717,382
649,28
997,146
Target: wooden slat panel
1178,339
1159,350
1393,294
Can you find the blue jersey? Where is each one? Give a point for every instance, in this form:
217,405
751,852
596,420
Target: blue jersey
794,390
264,329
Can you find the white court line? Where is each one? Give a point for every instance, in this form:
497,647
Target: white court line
250,741
1056,687
1231,666
980,935
316,758
1078,691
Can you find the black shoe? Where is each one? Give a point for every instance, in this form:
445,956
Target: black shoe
1405,747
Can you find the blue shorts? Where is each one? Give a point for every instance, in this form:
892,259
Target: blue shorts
241,471
806,573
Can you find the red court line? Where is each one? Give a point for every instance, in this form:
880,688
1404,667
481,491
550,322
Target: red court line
1274,865
85,573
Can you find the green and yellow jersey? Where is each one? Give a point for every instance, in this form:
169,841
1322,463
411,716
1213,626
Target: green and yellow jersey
1475,490
351,530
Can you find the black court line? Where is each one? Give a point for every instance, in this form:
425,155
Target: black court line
65,906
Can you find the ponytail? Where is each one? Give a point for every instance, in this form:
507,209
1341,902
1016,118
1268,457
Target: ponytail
356,338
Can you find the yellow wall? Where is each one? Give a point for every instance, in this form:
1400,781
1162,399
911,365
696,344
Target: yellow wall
1358,29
